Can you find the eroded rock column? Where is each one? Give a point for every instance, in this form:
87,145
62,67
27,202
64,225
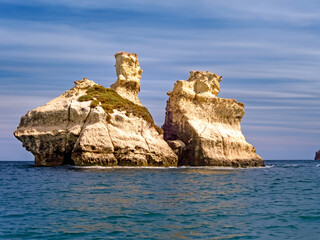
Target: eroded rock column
203,129
129,75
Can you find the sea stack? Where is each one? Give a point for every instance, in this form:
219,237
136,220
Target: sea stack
317,157
93,125
203,129
129,75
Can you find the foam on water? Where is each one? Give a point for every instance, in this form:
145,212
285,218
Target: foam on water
268,166
166,168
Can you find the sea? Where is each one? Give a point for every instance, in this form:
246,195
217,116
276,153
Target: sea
279,201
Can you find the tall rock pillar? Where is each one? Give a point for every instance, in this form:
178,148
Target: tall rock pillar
129,75
203,129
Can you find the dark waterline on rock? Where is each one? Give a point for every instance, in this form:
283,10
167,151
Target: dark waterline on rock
280,201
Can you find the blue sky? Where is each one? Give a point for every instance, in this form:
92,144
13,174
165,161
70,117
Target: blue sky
267,51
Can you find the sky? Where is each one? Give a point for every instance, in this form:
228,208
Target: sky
268,53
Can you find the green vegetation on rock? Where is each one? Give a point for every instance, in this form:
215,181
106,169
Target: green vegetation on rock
111,100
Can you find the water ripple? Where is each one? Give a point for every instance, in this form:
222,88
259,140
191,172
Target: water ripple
279,201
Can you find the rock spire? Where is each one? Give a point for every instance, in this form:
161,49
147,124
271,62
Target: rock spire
129,75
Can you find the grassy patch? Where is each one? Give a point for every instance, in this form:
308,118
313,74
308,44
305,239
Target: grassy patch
111,100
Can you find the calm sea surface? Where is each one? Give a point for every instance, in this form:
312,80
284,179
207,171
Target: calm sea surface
281,201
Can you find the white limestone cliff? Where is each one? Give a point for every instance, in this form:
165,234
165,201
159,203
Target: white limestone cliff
203,129
92,125
69,131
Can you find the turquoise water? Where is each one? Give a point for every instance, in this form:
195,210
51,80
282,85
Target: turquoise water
281,201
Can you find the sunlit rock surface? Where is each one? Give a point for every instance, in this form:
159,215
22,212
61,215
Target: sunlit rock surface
203,129
69,131
129,75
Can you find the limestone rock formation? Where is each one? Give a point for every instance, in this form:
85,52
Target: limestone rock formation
317,157
129,75
92,125
204,130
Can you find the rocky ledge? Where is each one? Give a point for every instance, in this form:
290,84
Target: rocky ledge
93,125
203,129
317,157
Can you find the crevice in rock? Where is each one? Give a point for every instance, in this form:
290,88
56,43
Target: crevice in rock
110,136
204,129
69,110
67,154
67,160
114,148
82,127
84,122
141,132
224,147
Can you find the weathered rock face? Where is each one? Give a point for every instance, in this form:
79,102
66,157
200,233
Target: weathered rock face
204,130
129,75
50,131
69,131
317,157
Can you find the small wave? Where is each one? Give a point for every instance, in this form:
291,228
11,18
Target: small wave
179,167
154,167
268,166
224,168
291,165
318,165
208,167
120,167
